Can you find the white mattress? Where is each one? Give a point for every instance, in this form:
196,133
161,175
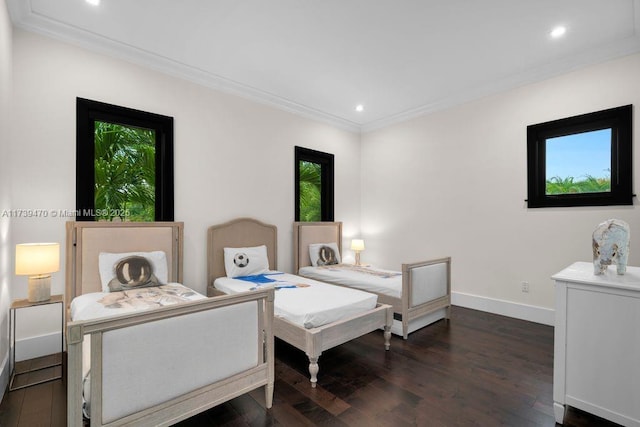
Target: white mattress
388,283
313,306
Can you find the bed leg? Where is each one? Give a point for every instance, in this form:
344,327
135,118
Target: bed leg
268,395
313,370
75,335
387,337
387,327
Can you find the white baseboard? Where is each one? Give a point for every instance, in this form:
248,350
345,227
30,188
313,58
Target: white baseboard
532,313
5,374
29,348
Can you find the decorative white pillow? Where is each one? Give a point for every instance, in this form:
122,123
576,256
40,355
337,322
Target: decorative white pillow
108,261
324,254
246,261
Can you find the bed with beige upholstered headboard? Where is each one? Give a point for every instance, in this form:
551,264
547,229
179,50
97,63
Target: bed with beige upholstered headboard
248,232
423,289
86,240
241,232
125,352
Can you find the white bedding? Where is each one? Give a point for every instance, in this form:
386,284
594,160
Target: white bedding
309,306
88,306
384,282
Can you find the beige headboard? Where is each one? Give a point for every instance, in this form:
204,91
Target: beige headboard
306,233
85,241
239,233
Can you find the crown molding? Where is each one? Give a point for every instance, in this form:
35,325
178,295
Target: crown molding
23,17
604,53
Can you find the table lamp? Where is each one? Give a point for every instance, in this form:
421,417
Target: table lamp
38,261
357,245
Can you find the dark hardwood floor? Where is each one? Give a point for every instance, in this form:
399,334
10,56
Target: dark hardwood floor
478,369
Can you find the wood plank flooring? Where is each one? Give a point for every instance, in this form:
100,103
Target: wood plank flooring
479,369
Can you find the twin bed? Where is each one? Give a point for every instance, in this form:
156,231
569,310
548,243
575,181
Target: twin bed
135,366
420,294
311,316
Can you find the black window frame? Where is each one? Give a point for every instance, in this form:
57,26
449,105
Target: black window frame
87,113
326,160
619,120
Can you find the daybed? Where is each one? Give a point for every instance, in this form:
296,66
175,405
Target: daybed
420,294
156,366
314,339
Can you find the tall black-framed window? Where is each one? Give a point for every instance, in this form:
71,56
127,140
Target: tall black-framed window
313,185
124,163
583,160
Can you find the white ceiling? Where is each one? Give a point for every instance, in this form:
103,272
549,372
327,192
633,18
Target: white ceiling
320,58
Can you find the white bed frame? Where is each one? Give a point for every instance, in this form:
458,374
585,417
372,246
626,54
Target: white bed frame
84,242
411,316
247,232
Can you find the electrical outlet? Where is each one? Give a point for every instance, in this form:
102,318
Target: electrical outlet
525,286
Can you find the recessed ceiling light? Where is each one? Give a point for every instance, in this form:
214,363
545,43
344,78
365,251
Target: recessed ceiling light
93,2
359,108
558,31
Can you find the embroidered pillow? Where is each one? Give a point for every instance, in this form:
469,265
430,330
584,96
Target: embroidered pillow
246,261
108,262
133,272
324,254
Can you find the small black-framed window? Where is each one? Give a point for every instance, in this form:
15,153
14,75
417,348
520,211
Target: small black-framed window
583,160
313,185
145,137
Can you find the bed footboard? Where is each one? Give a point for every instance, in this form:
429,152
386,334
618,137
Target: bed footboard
209,351
426,287
314,341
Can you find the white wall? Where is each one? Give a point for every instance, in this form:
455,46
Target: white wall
454,183
233,157
5,201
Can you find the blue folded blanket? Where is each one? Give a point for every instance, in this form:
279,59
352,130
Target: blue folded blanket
258,278
261,279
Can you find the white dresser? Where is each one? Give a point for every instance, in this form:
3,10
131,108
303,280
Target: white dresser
597,343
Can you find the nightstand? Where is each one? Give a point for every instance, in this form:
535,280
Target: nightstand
35,374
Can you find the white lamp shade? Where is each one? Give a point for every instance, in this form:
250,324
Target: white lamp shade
37,258
357,245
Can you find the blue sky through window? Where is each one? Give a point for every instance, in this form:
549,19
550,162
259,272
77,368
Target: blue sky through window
579,155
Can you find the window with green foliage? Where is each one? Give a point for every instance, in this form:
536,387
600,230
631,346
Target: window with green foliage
313,185
125,172
310,191
582,160
589,167
124,168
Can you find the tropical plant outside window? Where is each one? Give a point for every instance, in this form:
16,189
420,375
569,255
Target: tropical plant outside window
310,190
579,163
583,160
124,164
125,170
313,185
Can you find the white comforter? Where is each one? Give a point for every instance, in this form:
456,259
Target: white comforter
104,304
384,282
306,302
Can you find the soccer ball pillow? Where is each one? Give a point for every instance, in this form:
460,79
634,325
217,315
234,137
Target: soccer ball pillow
246,261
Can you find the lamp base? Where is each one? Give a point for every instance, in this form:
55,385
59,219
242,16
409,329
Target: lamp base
39,288
358,258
